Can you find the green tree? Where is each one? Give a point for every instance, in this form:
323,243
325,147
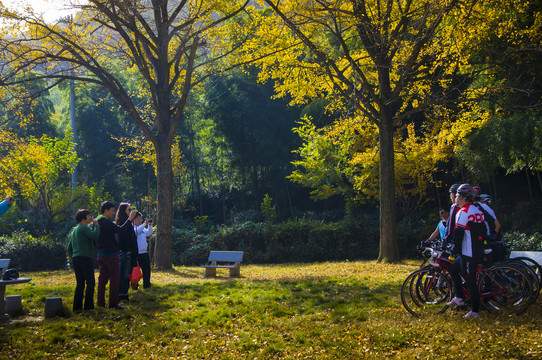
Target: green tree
511,140
38,170
258,130
169,46
380,63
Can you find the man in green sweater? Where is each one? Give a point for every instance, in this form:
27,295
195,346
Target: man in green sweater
80,250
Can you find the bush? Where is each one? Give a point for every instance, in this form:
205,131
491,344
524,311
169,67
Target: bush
189,248
523,242
28,253
294,241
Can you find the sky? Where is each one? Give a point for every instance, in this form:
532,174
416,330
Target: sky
50,9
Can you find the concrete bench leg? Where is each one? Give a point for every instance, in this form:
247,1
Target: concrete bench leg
210,272
4,317
13,304
235,272
53,307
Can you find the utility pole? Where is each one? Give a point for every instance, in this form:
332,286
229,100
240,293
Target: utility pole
72,115
74,128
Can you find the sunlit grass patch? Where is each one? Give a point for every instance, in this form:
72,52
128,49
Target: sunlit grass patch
343,310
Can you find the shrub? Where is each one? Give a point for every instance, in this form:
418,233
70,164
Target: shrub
293,241
268,208
28,253
523,242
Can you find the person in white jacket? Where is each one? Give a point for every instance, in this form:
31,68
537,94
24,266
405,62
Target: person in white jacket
143,231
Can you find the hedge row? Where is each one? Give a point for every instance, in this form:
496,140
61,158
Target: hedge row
524,242
293,241
28,253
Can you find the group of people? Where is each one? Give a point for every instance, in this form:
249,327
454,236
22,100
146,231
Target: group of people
120,238
466,229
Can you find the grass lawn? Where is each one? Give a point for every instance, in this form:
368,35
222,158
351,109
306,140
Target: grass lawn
344,310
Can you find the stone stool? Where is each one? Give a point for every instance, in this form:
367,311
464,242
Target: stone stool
13,304
53,307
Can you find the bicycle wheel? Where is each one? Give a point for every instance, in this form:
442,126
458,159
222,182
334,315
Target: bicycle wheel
533,265
505,289
426,292
533,277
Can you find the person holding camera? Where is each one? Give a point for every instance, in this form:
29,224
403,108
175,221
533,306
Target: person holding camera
143,231
80,245
108,254
6,204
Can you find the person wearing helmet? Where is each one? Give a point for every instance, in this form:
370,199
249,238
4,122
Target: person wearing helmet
485,199
6,204
492,223
469,243
493,226
477,193
450,224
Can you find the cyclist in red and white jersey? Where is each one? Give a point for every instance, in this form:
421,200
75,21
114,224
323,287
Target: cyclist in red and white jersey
469,234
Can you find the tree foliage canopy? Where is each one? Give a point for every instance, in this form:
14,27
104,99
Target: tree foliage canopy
170,48
39,171
393,72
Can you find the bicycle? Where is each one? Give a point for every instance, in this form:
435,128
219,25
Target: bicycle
527,265
503,288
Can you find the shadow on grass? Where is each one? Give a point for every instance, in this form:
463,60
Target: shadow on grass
342,297
184,272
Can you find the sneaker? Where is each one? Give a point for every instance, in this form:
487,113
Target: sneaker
456,302
472,315
117,307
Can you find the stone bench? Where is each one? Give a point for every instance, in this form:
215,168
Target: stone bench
224,260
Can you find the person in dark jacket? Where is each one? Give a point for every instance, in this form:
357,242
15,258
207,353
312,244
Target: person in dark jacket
80,250
127,250
108,254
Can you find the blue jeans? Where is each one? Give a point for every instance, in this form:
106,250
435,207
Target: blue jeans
125,270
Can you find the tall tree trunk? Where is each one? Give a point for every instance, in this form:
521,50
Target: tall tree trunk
528,177
539,179
389,250
164,178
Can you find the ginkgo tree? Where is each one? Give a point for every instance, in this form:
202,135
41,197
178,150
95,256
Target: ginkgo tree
379,64
170,47
38,170
342,158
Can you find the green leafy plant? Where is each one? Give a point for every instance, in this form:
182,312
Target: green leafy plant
268,208
523,242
